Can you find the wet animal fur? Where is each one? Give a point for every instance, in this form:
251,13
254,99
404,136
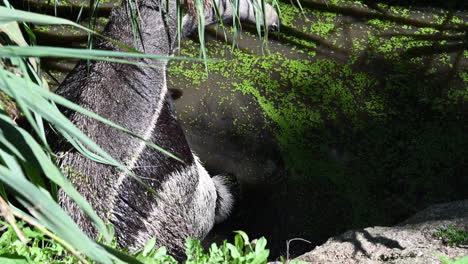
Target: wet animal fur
137,98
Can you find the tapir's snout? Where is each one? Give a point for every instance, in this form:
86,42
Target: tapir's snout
275,27
272,19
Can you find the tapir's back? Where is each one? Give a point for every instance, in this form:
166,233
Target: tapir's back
136,98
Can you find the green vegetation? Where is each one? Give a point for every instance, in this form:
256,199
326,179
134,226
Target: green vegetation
452,236
39,248
463,260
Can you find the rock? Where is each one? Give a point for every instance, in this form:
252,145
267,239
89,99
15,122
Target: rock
410,242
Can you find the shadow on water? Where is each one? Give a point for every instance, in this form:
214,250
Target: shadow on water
397,164
446,4
381,14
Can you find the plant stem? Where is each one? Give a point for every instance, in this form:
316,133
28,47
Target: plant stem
7,213
62,242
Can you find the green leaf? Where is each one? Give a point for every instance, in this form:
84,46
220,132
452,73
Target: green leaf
260,245
239,242
13,259
463,260
46,51
244,236
234,252
199,6
261,256
13,32
49,214
162,251
149,246
32,233
34,152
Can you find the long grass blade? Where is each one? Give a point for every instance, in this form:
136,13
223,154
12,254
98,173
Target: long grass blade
220,19
52,216
10,15
179,23
259,13
134,14
236,22
48,111
199,6
33,153
45,51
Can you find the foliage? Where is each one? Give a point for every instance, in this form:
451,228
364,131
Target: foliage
242,251
463,260
41,249
27,168
452,236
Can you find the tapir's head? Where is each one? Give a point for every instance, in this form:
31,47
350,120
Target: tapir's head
272,18
248,14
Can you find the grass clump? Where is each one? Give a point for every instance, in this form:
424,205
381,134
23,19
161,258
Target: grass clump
39,249
452,236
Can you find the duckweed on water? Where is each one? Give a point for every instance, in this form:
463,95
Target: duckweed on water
306,91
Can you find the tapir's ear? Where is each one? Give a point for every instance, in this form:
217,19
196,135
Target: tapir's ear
224,198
